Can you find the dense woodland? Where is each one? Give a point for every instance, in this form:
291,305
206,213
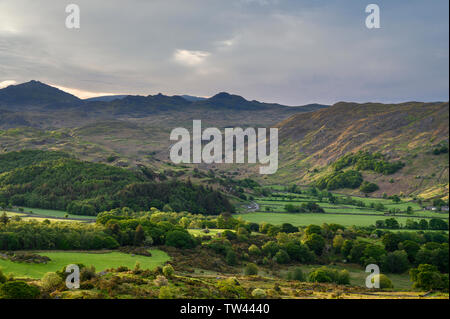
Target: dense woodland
55,181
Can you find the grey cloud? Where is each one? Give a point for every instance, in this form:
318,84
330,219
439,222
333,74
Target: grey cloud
291,52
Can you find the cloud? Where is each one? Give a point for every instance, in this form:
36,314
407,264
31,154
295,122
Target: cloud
7,83
286,51
190,58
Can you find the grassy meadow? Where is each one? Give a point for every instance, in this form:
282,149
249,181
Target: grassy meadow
100,260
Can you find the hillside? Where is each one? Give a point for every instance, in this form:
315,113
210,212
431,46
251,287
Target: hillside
35,93
133,129
53,180
408,132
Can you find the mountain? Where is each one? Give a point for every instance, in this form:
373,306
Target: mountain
106,98
191,98
225,100
409,132
35,93
127,131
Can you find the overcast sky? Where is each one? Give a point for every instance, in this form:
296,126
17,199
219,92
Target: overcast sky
286,51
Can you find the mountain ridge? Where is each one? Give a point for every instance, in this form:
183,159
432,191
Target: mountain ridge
36,93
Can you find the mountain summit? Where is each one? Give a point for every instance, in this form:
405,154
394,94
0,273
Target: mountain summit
37,94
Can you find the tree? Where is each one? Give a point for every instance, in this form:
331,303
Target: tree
423,224
367,187
288,228
282,257
338,242
427,277
438,224
231,258
313,229
139,236
411,248
396,199
373,254
254,250
179,239
316,243
4,219
298,252
270,249
391,223
390,241
395,262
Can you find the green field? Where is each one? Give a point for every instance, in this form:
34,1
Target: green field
26,217
358,276
53,213
317,219
277,204
100,260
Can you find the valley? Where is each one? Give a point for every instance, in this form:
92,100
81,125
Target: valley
90,182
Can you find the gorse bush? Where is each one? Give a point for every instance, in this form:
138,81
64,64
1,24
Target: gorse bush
328,275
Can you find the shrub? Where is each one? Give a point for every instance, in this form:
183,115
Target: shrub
385,282
343,277
231,288
2,277
165,293
259,293
296,274
87,273
18,290
168,270
327,275
320,275
161,281
51,281
251,269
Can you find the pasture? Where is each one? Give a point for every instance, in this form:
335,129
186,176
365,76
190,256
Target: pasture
100,260
305,219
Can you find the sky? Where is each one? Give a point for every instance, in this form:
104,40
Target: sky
291,52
